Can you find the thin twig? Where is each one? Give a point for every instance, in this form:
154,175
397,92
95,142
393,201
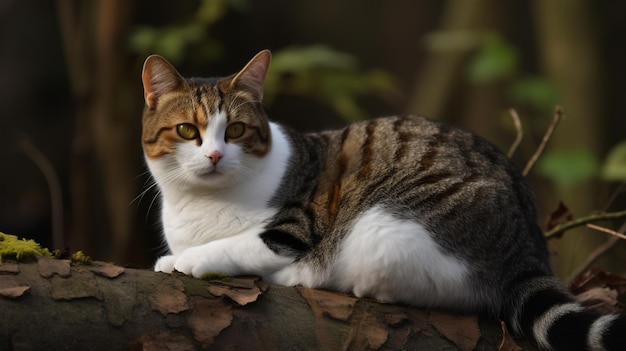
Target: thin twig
558,116
54,185
593,257
554,232
605,230
597,253
519,132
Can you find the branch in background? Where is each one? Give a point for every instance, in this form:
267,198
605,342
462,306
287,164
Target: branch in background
606,230
54,185
518,130
596,254
558,116
556,231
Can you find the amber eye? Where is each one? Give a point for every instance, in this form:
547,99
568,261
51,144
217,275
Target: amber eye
235,130
187,131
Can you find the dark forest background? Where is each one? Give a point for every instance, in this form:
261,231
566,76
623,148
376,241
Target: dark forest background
72,174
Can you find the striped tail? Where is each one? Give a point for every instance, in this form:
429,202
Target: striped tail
550,316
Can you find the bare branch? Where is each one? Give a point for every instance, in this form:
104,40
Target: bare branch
518,130
596,254
606,230
554,232
558,116
54,185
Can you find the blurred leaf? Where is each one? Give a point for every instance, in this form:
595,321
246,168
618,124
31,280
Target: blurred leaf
174,41
328,75
568,167
537,92
211,11
495,60
453,40
615,163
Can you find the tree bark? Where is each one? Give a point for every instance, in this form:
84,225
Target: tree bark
55,305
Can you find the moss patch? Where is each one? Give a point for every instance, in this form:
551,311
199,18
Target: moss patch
80,258
23,250
215,276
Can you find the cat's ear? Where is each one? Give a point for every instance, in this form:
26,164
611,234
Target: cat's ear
252,77
159,77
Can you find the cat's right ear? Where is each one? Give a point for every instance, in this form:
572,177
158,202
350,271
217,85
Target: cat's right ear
159,77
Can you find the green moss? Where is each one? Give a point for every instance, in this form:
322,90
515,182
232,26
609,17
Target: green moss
81,258
215,276
22,250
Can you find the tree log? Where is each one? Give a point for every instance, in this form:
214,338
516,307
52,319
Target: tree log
55,305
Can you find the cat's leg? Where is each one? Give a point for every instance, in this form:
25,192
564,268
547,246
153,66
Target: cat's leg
165,264
241,254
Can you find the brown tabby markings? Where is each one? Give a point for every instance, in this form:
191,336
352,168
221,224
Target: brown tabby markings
195,103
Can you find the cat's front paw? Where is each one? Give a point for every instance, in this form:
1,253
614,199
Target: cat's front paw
197,261
165,264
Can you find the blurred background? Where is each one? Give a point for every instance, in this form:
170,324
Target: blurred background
72,170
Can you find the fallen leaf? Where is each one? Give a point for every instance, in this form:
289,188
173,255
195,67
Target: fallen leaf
14,292
366,333
169,296
208,318
105,269
463,331
48,267
507,344
9,268
335,305
241,296
80,285
158,340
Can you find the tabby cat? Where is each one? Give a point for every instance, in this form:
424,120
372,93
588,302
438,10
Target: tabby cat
401,209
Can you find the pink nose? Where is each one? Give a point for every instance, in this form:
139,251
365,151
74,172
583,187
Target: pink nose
215,157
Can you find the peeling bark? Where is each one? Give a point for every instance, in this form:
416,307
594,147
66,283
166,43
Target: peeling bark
55,305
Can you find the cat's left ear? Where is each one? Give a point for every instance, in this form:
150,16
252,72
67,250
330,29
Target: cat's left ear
252,77
159,77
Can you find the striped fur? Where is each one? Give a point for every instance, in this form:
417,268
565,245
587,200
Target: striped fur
401,209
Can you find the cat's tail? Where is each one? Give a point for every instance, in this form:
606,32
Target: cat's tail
540,309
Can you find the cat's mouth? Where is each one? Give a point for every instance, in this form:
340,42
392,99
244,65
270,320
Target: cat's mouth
209,173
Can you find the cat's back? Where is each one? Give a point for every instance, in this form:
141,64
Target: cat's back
408,161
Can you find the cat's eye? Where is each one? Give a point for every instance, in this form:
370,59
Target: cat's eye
235,130
187,131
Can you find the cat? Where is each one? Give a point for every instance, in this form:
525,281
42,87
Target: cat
401,209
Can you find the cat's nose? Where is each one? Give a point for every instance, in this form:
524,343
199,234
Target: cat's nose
215,157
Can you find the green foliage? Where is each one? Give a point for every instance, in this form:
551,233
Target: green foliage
496,59
22,250
173,41
614,167
535,91
328,75
568,167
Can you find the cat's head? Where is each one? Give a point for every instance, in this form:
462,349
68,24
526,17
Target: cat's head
207,133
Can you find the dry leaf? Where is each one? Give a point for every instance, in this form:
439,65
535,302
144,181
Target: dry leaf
48,267
241,296
9,268
14,292
463,331
169,297
208,318
603,300
106,269
366,333
507,344
559,216
158,340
